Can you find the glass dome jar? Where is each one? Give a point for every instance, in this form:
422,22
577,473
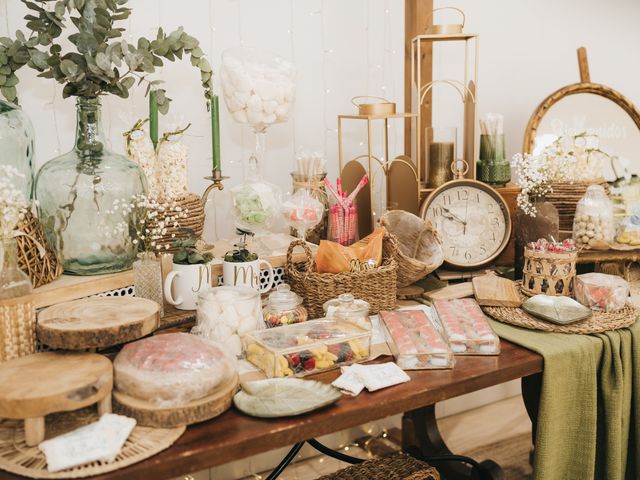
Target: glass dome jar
16,144
76,193
349,309
284,308
593,224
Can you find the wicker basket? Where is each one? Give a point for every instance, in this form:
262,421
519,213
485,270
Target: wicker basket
565,197
35,256
548,273
419,245
17,327
398,466
377,286
192,205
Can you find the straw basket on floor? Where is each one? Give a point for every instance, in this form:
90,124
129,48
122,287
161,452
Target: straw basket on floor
191,205
36,258
376,286
398,466
548,273
419,245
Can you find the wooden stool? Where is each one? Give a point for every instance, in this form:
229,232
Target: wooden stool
37,385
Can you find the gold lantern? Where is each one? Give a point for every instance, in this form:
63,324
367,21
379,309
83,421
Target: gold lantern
462,75
399,173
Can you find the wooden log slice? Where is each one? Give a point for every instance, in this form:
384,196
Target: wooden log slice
150,415
44,383
97,322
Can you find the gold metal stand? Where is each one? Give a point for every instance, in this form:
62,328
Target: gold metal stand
217,178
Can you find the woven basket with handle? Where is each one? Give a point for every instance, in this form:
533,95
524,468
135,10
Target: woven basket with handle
377,286
36,258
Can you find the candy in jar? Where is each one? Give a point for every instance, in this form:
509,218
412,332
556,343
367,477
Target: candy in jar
348,309
284,308
593,223
302,211
226,313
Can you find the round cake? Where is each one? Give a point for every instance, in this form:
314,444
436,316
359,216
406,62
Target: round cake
172,369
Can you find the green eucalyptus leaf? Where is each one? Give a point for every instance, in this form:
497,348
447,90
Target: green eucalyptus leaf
203,63
128,82
9,93
11,80
103,61
68,68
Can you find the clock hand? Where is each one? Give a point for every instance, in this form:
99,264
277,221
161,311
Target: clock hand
454,216
466,214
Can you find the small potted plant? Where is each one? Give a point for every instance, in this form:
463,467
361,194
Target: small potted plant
241,268
191,273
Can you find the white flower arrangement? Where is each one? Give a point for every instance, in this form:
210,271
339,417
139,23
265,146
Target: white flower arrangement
570,158
13,203
147,221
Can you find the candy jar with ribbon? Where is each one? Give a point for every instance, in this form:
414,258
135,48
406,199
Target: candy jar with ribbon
284,308
302,211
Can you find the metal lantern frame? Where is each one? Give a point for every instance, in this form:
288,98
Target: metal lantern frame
421,86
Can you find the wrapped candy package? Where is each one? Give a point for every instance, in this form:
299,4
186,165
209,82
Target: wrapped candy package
172,369
309,347
415,341
601,292
466,327
226,313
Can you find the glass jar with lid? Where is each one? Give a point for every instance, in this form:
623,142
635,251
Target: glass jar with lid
284,308
349,309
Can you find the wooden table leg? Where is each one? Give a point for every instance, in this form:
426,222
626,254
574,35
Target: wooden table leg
420,433
104,405
33,431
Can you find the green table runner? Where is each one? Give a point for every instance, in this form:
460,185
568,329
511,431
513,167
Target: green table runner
589,415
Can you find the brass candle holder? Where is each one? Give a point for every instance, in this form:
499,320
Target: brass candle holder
216,178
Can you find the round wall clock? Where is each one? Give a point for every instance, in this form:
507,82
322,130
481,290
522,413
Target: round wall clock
472,219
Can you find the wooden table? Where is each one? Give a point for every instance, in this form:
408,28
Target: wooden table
233,436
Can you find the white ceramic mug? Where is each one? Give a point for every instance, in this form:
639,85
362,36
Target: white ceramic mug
186,281
247,274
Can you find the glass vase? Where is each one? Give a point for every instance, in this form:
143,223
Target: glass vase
315,185
16,143
17,311
147,279
76,192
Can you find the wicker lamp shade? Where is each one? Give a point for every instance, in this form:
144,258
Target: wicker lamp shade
192,205
41,269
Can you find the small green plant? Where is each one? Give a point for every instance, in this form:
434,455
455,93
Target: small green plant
241,253
187,253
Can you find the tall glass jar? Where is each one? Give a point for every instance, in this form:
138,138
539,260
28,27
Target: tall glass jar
75,193
315,185
16,143
17,312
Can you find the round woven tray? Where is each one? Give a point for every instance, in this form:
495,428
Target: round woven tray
598,322
16,457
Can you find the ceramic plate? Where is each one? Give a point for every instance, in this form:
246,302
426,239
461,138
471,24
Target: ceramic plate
560,310
283,397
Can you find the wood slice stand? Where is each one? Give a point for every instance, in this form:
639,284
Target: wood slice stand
150,415
97,322
38,385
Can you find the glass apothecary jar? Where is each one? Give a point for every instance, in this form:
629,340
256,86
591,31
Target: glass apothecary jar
593,223
76,193
284,308
346,308
16,144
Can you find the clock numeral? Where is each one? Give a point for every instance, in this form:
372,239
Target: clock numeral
477,198
467,255
493,236
483,249
490,207
436,211
495,222
454,251
446,199
463,194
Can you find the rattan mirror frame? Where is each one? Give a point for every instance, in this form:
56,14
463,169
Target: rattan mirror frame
573,89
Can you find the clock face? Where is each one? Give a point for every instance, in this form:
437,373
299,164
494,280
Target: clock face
472,220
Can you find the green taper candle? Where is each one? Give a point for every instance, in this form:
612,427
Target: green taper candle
215,132
153,117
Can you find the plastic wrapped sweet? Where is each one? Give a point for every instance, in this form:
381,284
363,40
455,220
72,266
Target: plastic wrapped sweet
284,308
302,211
601,292
414,340
593,223
224,314
466,327
306,348
172,369
258,86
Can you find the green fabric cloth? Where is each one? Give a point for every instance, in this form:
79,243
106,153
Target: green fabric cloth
589,412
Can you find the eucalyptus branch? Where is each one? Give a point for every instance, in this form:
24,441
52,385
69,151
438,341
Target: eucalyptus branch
167,135
93,66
